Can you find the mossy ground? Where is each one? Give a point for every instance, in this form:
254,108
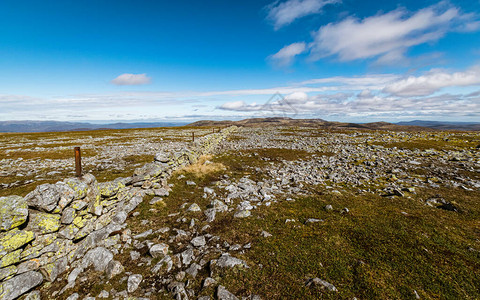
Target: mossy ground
384,248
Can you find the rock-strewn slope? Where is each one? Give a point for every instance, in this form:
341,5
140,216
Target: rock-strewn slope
76,223
75,233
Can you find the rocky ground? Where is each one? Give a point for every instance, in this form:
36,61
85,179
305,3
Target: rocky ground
263,213
27,159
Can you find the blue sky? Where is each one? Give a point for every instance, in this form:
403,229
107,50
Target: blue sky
338,60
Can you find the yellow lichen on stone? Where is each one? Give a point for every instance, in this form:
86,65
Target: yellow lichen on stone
79,222
44,222
11,258
13,212
6,273
14,239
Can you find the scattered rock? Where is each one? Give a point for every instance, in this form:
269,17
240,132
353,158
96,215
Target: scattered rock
98,257
133,282
265,234
242,214
317,282
114,268
223,294
194,208
198,241
159,250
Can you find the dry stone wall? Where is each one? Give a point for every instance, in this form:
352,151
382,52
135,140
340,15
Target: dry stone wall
68,226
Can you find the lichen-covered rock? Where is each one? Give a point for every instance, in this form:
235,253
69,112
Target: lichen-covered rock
43,223
78,186
94,200
86,229
13,212
68,215
46,197
151,170
78,205
19,285
162,157
52,270
7,272
109,189
68,232
38,246
29,265
10,259
14,239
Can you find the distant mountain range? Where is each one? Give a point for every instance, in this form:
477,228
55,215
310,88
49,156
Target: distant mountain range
51,126
417,125
443,125
401,126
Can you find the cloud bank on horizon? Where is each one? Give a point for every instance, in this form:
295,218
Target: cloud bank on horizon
323,58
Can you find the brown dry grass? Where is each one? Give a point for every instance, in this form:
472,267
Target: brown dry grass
202,167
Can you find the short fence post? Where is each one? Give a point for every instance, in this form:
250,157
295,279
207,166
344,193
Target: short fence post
193,136
78,162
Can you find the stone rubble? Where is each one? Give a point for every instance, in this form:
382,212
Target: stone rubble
75,224
79,225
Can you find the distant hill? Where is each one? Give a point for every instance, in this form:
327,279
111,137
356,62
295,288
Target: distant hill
279,121
440,125
51,126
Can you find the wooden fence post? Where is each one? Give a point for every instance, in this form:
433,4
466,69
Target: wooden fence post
78,162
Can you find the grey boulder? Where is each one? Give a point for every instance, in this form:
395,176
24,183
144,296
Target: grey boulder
19,285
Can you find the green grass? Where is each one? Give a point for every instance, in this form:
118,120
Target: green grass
384,248
374,252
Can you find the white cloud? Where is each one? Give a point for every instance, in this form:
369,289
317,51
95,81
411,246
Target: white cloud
285,56
297,96
383,34
386,37
367,96
284,13
131,79
368,105
432,82
233,105
373,80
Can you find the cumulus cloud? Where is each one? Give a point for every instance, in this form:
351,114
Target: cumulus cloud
285,56
131,79
432,82
385,37
284,13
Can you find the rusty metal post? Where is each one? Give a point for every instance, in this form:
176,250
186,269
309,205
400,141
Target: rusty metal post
78,162
193,136
213,130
